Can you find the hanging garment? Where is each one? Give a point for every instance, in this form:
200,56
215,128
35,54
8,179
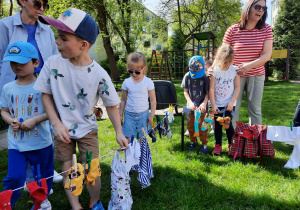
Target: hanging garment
39,195
5,197
145,166
132,155
74,180
93,173
250,141
121,198
290,136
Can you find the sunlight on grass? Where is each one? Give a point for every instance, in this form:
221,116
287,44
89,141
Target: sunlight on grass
186,180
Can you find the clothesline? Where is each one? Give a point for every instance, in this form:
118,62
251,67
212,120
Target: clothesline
69,169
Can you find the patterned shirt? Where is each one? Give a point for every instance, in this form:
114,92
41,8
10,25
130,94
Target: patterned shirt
76,90
248,45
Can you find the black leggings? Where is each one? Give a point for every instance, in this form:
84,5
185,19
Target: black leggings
218,127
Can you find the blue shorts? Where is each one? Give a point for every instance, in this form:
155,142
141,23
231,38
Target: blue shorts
133,122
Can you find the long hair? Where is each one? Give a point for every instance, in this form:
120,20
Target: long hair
245,14
224,56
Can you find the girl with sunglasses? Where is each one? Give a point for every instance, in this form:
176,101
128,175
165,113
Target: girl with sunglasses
135,93
252,41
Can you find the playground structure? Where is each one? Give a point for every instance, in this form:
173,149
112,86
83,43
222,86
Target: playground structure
174,63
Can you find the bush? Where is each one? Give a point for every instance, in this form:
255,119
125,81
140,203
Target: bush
3,124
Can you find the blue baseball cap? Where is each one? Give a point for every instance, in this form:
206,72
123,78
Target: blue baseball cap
75,21
20,52
195,63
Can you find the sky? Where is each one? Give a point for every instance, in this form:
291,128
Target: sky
153,4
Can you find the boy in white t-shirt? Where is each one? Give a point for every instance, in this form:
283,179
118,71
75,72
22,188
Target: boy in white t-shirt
72,84
223,92
135,93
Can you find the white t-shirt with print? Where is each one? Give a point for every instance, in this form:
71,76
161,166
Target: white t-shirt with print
138,95
76,90
224,85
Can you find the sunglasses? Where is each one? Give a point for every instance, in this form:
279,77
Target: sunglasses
130,71
258,7
37,5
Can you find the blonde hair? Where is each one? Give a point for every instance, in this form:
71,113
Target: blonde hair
224,56
136,57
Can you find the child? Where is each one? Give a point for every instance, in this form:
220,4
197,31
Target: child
208,64
72,84
135,93
196,85
29,138
223,92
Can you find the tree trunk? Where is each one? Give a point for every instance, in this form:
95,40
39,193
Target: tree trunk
179,15
102,22
11,7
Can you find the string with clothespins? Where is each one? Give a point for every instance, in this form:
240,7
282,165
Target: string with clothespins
101,157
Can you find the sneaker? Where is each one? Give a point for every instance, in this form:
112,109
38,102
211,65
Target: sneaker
97,206
51,191
192,146
57,177
217,150
187,133
203,150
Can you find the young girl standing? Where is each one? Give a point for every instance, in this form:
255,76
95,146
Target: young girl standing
135,93
223,92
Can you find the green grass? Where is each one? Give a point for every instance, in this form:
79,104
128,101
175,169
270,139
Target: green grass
185,180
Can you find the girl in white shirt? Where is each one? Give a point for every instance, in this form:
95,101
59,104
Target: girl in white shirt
223,91
135,93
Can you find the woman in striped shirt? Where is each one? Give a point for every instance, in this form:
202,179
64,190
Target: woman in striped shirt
252,40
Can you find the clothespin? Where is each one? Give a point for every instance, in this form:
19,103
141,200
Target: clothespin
291,124
143,131
88,159
132,138
37,174
75,162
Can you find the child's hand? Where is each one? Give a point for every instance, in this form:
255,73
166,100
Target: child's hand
149,120
61,133
15,124
28,124
122,140
229,106
202,107
192,106
214,109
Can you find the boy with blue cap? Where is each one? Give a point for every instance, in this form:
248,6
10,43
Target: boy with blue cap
196,86
29,138
71,84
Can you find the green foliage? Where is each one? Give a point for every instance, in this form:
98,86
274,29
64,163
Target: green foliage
121,65
177,41
287,33
3,124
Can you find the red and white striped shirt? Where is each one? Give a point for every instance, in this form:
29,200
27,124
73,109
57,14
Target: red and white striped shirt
248,45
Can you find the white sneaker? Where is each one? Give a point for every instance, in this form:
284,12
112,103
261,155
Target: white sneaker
57,177
187,133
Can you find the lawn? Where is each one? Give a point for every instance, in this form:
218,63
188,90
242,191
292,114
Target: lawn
186,180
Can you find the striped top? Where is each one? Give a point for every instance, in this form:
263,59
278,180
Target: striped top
248,45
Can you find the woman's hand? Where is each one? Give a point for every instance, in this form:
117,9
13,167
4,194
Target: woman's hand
243,69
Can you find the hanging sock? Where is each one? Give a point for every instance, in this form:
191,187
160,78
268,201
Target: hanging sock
39,193
94,171
196,123
5,200
75,179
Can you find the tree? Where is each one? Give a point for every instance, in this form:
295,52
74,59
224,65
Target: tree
201,15
287,33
